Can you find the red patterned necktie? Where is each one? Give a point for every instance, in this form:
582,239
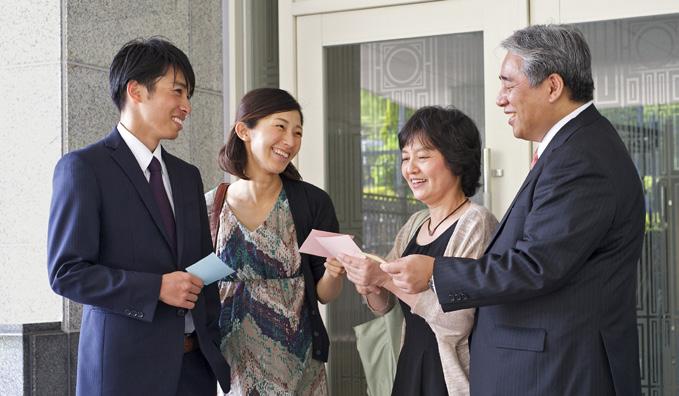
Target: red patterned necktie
535,158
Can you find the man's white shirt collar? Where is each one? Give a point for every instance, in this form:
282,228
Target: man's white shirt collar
144,156
141,153
557,127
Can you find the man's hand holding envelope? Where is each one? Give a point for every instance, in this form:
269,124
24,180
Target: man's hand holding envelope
210,269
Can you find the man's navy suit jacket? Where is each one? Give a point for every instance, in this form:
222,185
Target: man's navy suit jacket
557,285
107,249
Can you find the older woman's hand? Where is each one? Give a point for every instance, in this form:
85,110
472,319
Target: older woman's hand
364,273
334,268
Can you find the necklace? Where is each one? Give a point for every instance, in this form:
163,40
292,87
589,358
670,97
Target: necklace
430,231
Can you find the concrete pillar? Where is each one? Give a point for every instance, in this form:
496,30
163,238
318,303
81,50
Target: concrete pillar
55,66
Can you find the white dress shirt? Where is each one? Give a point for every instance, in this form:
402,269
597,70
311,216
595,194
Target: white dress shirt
144,156
557,127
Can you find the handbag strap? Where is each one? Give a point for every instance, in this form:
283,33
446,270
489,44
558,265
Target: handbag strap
217,205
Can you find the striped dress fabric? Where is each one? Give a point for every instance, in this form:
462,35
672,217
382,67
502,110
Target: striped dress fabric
265,324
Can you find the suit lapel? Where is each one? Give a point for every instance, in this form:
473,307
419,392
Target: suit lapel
585,118
529,178
123,156
178,198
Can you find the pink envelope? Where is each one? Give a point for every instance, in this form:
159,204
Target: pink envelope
341,244
312,246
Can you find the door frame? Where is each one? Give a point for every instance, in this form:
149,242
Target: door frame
578,11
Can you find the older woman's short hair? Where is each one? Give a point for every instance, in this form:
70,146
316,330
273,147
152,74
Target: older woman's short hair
452,133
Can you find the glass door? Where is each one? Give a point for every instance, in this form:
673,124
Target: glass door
358,86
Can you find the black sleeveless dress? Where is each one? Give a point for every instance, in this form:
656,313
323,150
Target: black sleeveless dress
419,369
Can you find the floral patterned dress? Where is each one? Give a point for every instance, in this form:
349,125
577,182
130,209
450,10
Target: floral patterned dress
265,323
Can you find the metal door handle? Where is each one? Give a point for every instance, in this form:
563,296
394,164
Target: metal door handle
487,202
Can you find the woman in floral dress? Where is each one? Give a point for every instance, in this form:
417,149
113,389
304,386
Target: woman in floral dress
272,333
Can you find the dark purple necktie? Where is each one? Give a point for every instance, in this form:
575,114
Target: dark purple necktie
159,193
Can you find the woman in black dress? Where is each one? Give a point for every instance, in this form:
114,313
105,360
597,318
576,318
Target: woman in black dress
441,161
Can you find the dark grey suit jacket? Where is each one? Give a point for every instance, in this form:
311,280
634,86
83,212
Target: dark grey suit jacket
557,285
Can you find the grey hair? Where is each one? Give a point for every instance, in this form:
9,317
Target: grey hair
560,49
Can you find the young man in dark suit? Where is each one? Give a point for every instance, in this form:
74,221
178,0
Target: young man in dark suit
556,289
126,219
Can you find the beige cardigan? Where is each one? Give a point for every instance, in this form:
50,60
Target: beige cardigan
470,237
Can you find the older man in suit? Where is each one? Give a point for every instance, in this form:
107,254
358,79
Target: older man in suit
126,219
556,287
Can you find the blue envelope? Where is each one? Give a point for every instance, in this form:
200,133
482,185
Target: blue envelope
210,269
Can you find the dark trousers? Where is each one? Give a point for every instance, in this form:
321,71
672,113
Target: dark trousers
197,378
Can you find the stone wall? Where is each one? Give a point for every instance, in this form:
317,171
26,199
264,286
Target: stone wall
55,69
